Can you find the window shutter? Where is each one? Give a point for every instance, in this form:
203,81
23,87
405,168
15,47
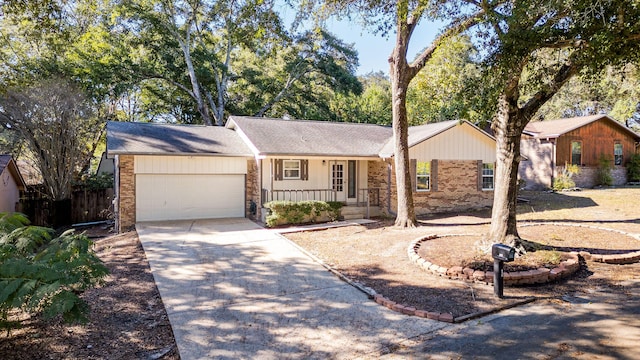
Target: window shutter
479,175
434,175
413,163
304,169
277,171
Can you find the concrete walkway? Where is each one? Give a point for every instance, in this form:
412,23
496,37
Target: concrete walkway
233,290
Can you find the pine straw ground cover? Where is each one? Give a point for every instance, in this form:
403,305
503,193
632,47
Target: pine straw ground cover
127,318
376,255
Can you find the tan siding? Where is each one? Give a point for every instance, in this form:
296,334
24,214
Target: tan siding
462,142
318,177
362,174
190,165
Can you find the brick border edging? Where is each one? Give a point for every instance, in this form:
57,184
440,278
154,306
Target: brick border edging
618,259
443,317
538,276
397,307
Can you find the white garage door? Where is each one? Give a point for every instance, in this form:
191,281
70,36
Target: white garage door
179,197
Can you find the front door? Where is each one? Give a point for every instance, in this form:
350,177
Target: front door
338,180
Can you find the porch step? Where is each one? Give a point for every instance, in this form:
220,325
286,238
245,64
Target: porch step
358,212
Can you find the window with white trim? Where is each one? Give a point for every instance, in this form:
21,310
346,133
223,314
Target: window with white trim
291,169
423,176
576,153
487,176
617,153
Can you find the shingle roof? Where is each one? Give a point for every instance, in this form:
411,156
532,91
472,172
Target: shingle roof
555,128
311,138
150,139
4,161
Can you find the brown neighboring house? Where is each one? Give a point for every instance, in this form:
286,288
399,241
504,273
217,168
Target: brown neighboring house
169,172
547,146
11,185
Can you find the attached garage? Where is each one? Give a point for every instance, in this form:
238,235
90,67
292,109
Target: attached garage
189,187
174,172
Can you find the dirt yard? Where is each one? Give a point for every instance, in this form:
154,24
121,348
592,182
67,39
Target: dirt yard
376,255
128,320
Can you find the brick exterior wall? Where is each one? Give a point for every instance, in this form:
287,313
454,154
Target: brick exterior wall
253,193
457,191
378,178
126,193
586,178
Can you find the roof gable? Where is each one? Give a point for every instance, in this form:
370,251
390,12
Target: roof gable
268,136
7,162
554,128
421,133
153,139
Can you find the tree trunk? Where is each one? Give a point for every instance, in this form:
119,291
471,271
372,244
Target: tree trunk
203,109
508,127
400,78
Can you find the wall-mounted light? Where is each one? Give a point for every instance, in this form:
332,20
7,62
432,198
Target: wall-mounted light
324,162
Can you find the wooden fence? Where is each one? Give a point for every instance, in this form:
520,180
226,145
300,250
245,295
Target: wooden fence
86,206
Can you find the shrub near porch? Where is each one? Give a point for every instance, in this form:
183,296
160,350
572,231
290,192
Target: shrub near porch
289,212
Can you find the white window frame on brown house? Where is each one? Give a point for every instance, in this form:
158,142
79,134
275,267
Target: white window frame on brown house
486,167
580,144
432,176
618,155
421,165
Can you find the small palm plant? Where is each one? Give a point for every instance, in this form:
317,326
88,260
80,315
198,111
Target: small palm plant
44,274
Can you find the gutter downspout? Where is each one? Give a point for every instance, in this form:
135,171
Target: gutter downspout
553,161
116,197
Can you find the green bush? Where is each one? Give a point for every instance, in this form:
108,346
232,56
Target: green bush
564,181
289,212
633,168
42,274
95,181
603,174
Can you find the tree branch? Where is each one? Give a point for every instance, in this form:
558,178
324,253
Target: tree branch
541,97
280,95
456,29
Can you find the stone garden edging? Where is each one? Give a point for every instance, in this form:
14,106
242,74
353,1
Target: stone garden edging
513,278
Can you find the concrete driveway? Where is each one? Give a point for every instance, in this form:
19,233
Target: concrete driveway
234,290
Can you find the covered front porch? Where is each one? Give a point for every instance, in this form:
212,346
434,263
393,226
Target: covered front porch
323,179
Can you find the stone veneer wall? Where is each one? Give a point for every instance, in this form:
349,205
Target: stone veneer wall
252,184
126,193
457,182
586,178
378,178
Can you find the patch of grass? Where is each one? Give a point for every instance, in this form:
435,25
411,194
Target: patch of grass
545,258
531,260
556,237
